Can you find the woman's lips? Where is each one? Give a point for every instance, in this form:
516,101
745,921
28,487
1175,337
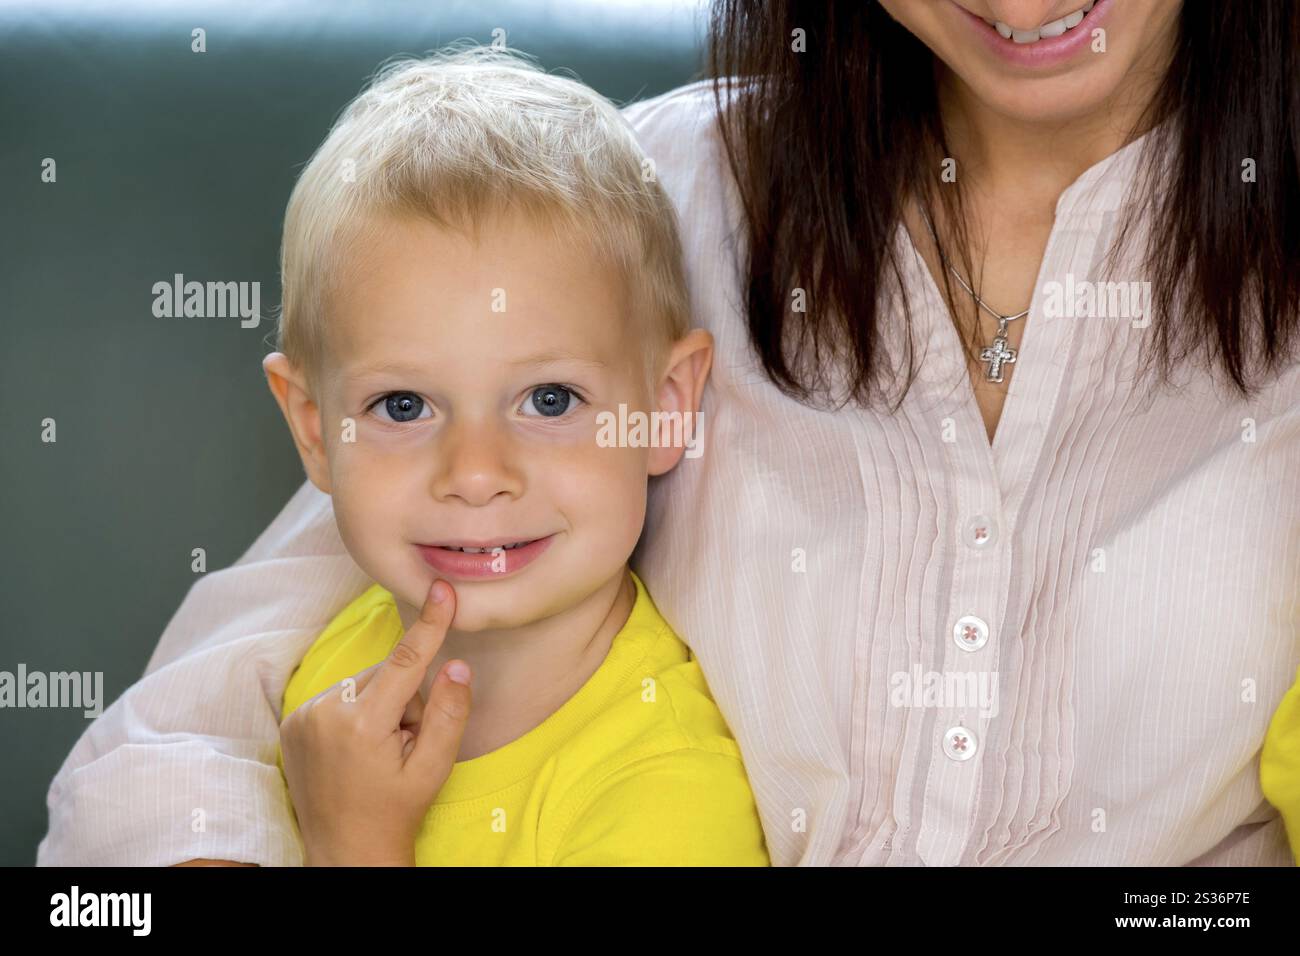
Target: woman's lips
1048,51
498,563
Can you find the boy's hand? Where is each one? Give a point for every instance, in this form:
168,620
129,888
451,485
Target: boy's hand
364,767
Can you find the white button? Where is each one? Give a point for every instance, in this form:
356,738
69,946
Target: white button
970,633
981,533
959,743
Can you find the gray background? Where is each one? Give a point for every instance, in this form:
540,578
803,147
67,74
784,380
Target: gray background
171,161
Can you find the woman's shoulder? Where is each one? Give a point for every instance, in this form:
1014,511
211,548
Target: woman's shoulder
680,135
683,111
680,100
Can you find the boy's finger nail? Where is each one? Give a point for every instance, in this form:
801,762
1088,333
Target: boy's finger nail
458,671
440,591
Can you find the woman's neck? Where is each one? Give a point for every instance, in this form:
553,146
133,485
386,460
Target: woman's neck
1001,155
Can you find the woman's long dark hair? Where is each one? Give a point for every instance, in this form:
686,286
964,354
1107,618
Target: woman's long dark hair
826,146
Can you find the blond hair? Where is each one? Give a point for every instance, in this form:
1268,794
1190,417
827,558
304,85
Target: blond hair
461,134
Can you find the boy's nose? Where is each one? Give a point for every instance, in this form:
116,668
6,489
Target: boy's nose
475,463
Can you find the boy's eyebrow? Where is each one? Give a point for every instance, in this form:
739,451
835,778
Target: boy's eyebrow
541,358
382,367
558,355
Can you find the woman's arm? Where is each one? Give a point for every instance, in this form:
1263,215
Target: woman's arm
182,766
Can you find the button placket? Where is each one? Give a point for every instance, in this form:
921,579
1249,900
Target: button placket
981,575
980,579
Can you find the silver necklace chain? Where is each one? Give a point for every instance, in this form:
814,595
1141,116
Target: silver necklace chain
998,353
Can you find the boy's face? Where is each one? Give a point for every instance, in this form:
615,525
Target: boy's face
474,375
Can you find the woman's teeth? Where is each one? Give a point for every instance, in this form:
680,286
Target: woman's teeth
1048,30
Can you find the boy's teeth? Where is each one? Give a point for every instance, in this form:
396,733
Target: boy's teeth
1048,30
504,547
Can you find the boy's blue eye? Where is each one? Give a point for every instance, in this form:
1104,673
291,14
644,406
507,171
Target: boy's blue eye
548,401
403,406
551,401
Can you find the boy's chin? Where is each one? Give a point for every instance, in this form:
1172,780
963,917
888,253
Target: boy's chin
486,607
491,605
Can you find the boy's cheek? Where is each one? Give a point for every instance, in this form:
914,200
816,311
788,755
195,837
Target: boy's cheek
365,463
371,501
379,540
612,495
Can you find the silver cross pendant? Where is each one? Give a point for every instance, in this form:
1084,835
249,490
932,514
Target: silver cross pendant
997,355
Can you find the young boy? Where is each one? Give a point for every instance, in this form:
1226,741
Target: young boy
480,275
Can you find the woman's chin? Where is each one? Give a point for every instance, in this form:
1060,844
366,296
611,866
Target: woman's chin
1044,100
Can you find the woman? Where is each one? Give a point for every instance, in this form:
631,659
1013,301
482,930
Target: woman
993,543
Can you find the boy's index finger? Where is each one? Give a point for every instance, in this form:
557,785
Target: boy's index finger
403,670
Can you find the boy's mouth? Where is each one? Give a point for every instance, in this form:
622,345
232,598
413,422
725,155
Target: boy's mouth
497,557
478,548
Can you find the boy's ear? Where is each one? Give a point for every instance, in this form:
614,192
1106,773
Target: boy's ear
681,390
302,415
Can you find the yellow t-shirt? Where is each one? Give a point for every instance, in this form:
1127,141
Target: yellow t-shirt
637,768
1279,764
